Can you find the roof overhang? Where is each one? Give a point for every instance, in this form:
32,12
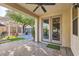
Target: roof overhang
17,7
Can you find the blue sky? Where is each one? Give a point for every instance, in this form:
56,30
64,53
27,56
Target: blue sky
3,11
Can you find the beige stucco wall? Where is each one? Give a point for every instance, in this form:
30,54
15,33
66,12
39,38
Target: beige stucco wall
68,39
66,29
75,41
65,14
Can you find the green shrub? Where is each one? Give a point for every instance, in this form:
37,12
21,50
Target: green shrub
33,32
12,38
9,37
15,39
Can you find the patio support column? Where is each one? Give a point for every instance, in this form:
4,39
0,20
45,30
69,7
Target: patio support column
78,23
36,30
50,29
40,30
9,30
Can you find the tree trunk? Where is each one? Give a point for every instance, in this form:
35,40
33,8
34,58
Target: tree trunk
24,28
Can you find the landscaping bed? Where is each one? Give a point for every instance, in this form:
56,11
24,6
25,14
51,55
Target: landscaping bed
14,38
10,39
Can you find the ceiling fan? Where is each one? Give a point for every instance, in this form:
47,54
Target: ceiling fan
76,4
42,6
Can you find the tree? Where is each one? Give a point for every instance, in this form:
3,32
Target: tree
20,18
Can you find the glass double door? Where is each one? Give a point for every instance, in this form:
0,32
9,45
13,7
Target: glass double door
55,29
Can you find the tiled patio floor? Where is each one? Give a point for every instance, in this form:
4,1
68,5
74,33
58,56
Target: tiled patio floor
26,48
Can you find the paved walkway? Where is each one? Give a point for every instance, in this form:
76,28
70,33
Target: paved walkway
26,48
27,37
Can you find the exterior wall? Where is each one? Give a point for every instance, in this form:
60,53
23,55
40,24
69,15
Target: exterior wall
75,41
14,29
65,24
2,28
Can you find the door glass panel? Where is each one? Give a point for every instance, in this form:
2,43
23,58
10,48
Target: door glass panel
56,28
45,30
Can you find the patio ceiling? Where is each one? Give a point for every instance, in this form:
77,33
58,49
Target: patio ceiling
28,8
49,8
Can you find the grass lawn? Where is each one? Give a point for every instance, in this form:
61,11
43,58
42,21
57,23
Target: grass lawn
13,38
10,39
53,46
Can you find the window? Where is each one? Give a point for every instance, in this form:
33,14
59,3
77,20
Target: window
75,27
75,20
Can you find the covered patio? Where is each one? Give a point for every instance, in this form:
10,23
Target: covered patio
27,48
59,19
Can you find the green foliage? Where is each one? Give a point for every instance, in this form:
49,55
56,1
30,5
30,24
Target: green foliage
53,46
16,39
45,31
20,18
10,39
13,38
33,32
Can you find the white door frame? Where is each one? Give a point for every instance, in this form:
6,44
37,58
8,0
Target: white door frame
55,41
50,29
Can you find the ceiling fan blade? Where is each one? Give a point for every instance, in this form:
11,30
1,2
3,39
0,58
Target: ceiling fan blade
48,3
42,3
43,9
35,9
76,4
